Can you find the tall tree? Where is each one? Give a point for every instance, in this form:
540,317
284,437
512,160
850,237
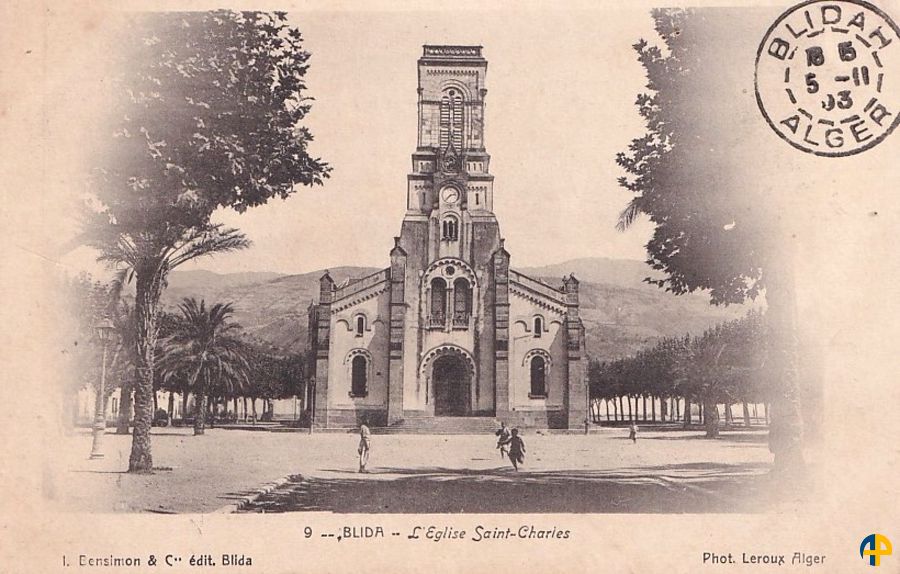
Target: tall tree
205,350
205,114
711,231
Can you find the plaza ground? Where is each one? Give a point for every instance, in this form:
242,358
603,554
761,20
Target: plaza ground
666,471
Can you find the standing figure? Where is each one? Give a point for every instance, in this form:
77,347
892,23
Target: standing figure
516,449
503,439
364,446
632,432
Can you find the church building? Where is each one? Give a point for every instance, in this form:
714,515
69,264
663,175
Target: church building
448,330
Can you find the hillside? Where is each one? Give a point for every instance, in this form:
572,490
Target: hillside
621,314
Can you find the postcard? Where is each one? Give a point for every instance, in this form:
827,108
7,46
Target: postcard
463,287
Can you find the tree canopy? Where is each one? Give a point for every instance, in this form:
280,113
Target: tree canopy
684,173
205,112
693,175
723,365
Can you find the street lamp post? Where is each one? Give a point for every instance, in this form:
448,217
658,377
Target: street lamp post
104,330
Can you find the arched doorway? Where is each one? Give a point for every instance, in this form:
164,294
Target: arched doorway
451,382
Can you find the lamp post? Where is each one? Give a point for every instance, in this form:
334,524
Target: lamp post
104,331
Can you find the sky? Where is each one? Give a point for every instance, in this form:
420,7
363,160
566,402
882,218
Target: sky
560,105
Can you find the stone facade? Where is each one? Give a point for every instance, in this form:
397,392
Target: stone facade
448,329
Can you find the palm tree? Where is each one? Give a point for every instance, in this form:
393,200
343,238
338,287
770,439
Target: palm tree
123,322
205,349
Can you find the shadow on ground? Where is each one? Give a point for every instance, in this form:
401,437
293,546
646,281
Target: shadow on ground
737,437
676,488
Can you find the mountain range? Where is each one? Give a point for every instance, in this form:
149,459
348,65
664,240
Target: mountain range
621,312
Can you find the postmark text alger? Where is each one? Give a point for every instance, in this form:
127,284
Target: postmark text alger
828,77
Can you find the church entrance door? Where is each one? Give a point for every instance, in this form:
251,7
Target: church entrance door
450,377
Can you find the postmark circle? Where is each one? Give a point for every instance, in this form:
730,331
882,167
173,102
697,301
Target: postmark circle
828,76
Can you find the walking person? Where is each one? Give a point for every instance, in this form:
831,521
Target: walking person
503,439
365,445
632,432
516,449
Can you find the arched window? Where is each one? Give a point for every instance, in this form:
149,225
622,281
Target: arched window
450,228
438,301
360,325
359,376
462,302
538,377
538,326
451,121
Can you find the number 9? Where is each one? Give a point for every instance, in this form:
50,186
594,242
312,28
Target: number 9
307,532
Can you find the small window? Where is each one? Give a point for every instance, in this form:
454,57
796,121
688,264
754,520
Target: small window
538,377
115,406
538,326
438,301
450,229
359,376
360,326
462,303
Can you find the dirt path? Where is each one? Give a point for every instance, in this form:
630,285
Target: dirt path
670,471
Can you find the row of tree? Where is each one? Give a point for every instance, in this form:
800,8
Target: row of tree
724,365
200,352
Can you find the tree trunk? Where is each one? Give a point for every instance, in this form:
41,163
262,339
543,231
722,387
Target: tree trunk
155,403
746,414
184,404
711,416
644,409
653,409
607,410
621,408
245,409
125,407
729,416
147,292
171,406
687,413
677,403
211,411
786,427
200,416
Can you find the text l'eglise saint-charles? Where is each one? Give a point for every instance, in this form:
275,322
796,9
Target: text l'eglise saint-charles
481,533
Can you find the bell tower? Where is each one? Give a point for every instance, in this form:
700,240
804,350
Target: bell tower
450,184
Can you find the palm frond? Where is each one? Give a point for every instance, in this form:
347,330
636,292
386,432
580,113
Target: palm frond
216,239
629,214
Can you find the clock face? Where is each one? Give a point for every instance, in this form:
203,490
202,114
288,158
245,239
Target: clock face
450,195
